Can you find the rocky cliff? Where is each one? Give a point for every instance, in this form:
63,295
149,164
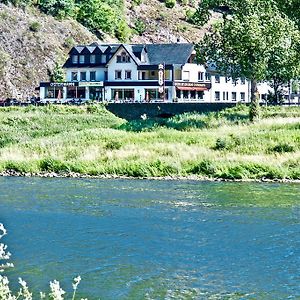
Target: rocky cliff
31,43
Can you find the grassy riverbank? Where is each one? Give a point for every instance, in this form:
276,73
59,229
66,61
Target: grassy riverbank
90,140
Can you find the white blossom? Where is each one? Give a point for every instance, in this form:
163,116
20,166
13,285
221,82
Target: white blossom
56,291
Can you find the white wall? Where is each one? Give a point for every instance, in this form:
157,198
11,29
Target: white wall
99,73
114,66
193,70
228,87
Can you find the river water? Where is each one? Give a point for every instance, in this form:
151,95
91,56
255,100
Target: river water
144,239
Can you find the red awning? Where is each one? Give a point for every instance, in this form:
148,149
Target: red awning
192,88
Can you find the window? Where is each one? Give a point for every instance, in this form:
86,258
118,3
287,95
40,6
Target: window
243,81
207,76
105,75
92,76
127,74
242,96
200,76
83,76
142,75
192,94
185,94
74,76
81,92
71,92
217,96
186,75
227,79
76,92
81,59
200,95
103,58
152,73
93,59
122,94
95,93
75,59
233,96
217,79
224,96
123,58
118,74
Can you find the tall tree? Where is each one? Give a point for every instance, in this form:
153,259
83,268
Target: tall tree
253,39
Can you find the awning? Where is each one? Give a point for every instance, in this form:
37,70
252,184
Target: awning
192,88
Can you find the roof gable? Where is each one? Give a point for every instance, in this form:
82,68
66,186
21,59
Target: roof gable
128,49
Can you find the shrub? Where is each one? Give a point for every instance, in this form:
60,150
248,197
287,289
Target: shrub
97,15
228,143
184,2
69,42
170,3
282,148
189,14
205,167
122,31
5,140
58,8
137,2
221,144
35,26
57,74
113,145
139,26
53,165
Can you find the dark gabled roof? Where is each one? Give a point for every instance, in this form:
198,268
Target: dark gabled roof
169,53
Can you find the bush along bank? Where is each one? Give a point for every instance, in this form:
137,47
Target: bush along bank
90,141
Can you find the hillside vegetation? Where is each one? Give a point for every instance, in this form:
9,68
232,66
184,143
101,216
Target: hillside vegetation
91,141
37,36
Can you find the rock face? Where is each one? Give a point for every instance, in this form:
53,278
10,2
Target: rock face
162,24
30,45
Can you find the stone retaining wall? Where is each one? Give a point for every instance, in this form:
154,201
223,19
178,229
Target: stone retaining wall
131,111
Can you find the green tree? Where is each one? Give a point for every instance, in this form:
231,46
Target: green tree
122,31
58,8
57,74
97,16
253,39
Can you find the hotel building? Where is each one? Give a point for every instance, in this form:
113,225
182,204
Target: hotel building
142,73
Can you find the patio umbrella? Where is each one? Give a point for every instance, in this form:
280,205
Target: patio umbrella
59,95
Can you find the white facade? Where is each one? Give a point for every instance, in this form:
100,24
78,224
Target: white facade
122,76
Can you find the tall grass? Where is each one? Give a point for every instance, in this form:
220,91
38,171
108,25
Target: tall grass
90,140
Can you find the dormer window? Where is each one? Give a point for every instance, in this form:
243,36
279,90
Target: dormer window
103,58
123,58
75,59
81,59
93,59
